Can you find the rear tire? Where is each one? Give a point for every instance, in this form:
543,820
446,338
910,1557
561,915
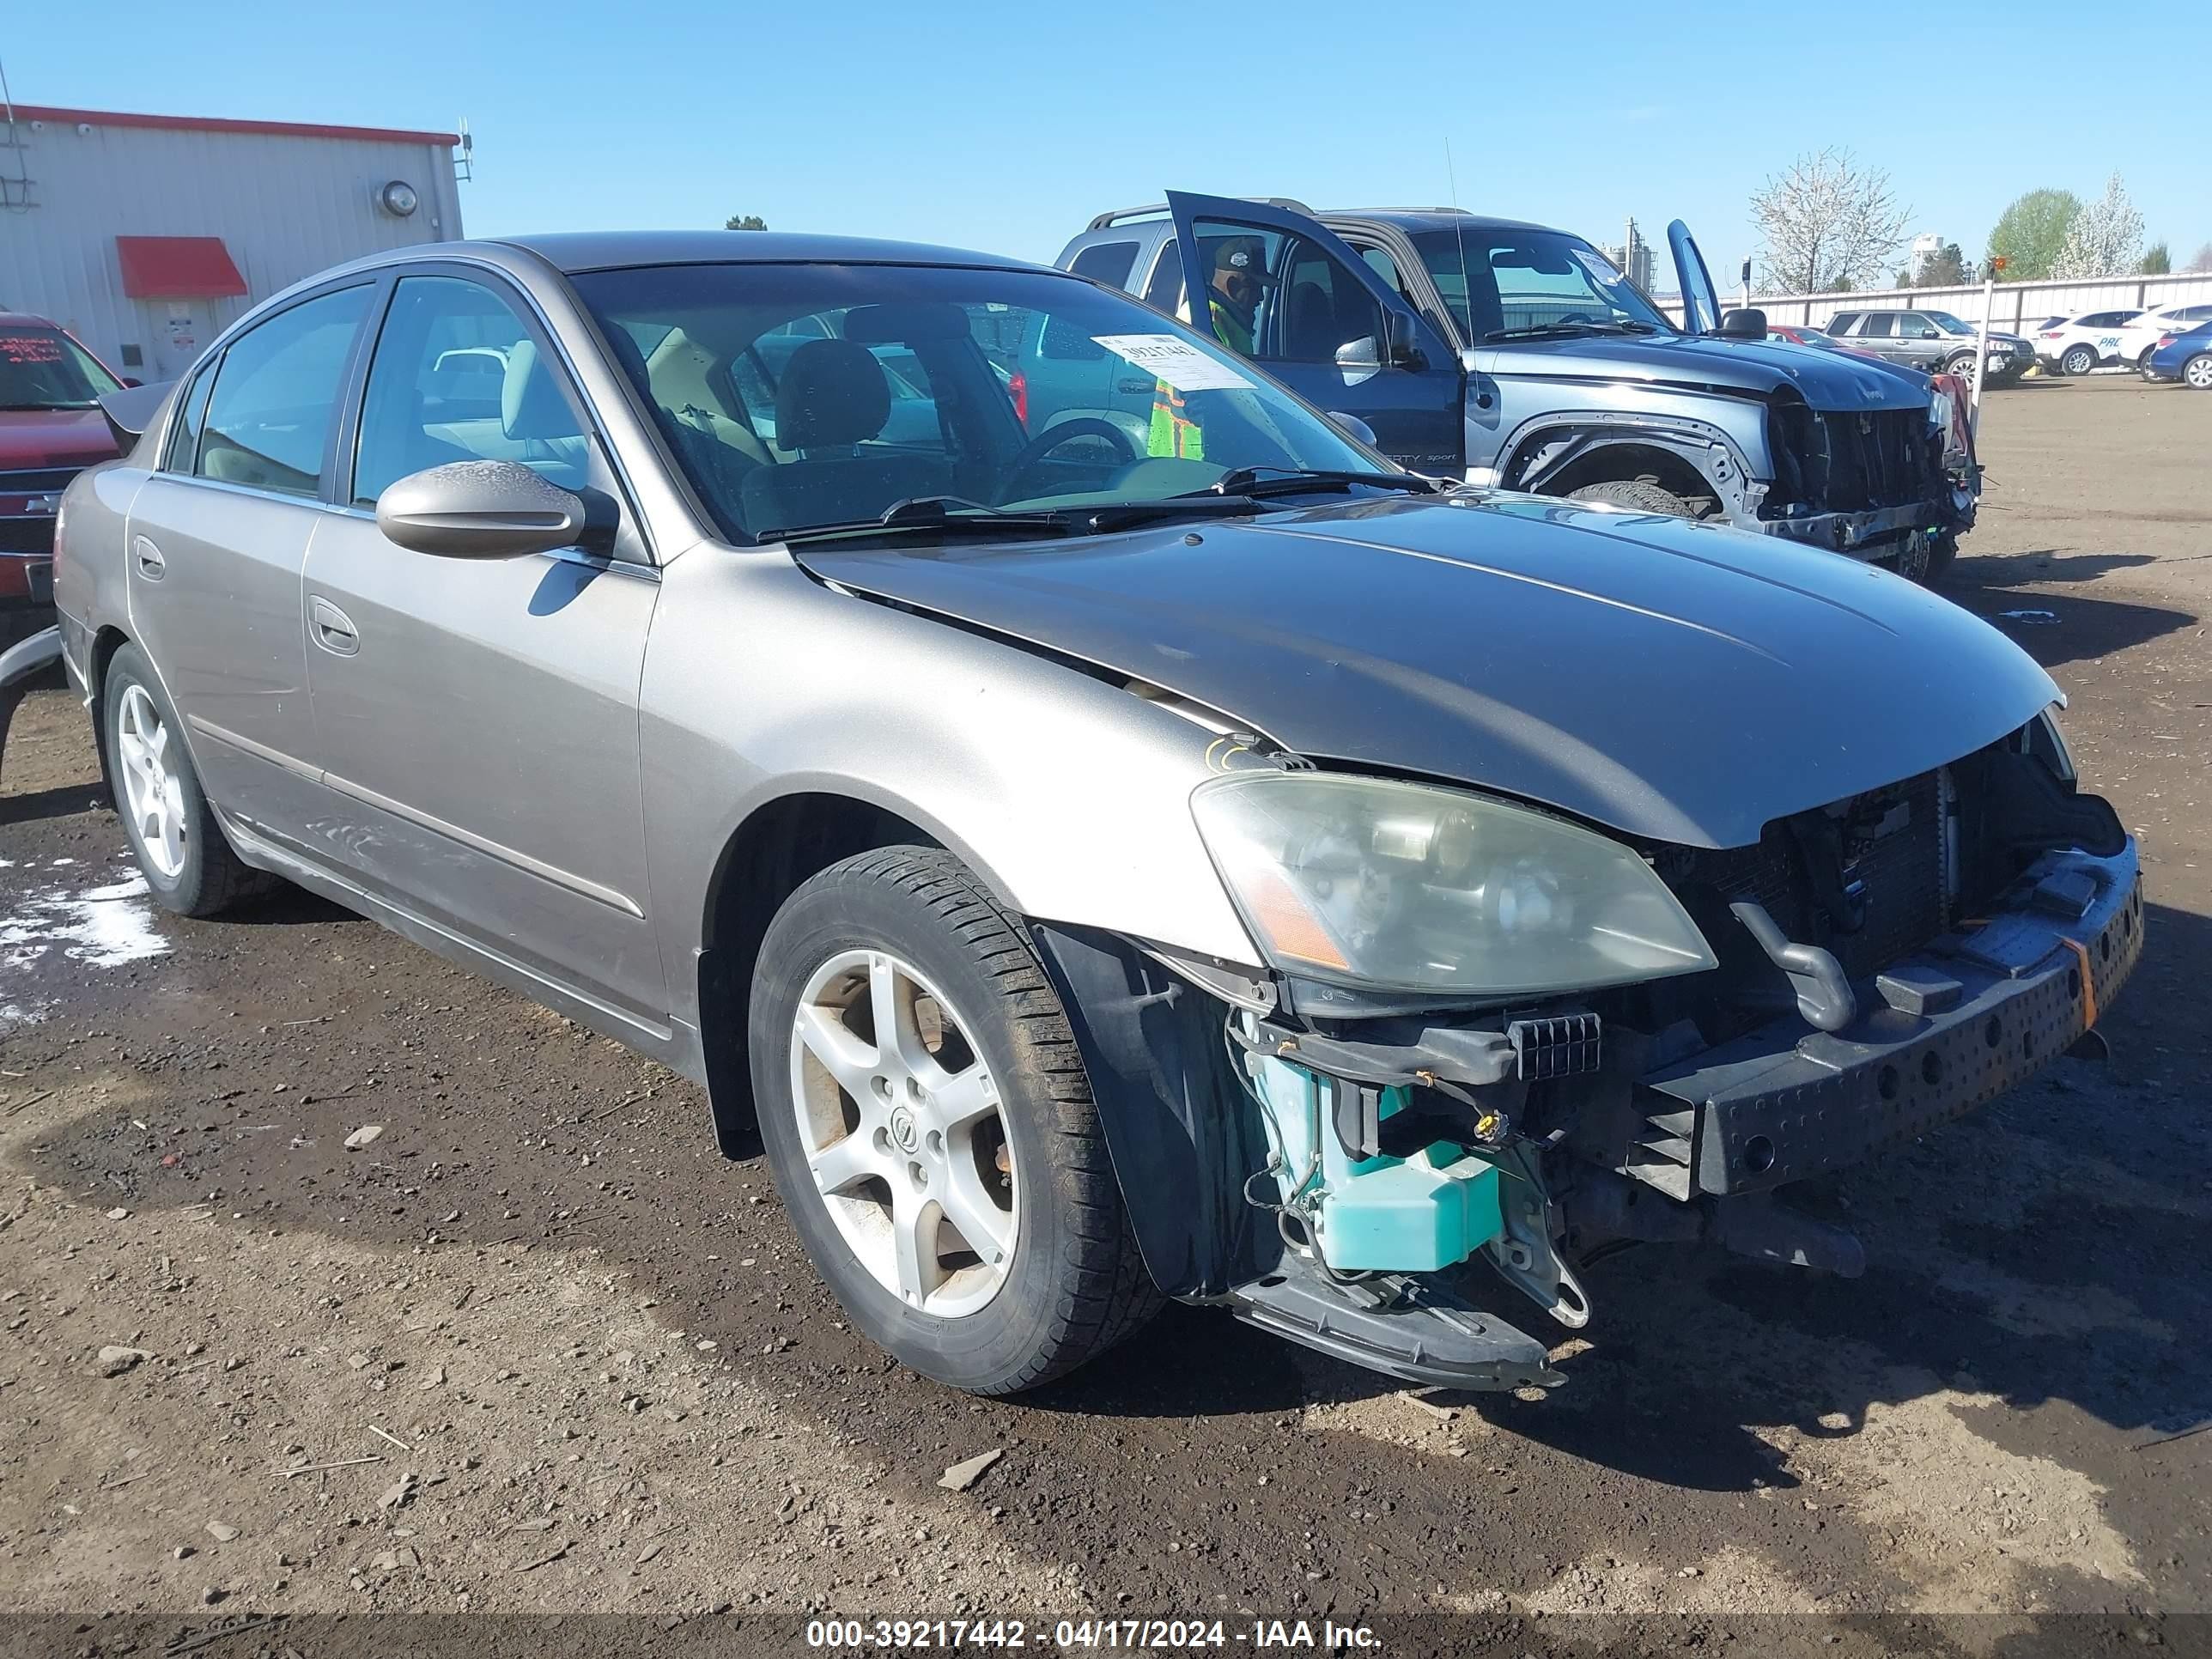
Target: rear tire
2078,360
181,848
878,1160
1636,495
1942,554
2197,373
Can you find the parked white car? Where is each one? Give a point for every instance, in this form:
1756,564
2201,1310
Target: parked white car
2083,343
2140,337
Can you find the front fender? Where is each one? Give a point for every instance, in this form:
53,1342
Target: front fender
1068,795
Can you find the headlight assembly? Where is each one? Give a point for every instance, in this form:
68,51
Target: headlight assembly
1369,882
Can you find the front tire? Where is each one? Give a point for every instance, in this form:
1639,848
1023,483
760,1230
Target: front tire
929,1124
181,850
1636,495
2078,360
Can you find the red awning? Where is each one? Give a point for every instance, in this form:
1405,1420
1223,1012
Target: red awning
177,268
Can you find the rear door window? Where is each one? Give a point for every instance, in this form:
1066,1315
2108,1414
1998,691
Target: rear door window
275,400
1878,326
1107,262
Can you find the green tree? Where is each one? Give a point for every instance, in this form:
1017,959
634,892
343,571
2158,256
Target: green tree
2030,235
2157,262
744,221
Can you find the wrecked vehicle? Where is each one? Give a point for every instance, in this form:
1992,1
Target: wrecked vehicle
1511,353
1254,875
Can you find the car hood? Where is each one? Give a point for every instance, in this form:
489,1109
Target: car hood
1677,682
1825,380
53,437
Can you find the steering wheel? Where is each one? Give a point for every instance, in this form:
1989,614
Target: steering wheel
1083,426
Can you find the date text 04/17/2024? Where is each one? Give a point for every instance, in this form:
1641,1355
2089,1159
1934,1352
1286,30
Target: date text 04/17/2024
1091,1634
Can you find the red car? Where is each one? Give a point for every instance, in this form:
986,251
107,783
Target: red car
1798,334
50,429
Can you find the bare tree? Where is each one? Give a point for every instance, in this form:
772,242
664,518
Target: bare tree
2200,260
1827,223
2105,238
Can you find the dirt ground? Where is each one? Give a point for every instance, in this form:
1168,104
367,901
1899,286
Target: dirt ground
536,1351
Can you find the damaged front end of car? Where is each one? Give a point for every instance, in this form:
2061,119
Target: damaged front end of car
1494,1041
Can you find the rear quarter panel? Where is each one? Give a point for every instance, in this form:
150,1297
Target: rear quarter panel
90,549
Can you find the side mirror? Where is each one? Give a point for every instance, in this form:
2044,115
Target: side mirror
1351,425
1742,325
131,383
1400,350
480,510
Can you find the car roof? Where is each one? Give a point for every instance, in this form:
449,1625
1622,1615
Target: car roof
25,320
571,252
1435,218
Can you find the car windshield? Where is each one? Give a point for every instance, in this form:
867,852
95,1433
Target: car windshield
800,397
1503,282
1947,322
44,369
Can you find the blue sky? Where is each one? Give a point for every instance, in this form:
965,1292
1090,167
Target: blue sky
1005,127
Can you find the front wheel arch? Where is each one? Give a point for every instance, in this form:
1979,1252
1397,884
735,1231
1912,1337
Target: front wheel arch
778,847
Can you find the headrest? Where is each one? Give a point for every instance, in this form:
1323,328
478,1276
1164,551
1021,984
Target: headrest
530,401
833,392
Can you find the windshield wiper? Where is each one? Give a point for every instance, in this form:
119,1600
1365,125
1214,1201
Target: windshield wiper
1258,482
18,409
1542,330
937,515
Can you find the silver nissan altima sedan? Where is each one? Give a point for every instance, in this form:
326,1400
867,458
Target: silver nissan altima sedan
1104,831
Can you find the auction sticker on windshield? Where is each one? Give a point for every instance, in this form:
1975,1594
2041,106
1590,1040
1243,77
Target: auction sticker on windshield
1180,363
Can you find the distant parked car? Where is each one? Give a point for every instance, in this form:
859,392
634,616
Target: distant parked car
1932,340
2078,344
2185,356
50,429
2161,323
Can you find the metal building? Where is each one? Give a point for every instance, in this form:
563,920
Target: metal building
145,234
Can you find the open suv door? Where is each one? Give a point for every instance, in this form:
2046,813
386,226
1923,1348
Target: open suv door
1302,306
1701,303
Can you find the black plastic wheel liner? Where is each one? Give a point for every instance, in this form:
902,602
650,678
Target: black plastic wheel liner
1182,1136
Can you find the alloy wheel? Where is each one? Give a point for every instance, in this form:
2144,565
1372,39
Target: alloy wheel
153,793
2198,373
900,1121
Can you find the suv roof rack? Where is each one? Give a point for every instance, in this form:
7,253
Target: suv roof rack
1288,203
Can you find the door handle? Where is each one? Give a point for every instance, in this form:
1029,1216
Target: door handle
148,557
331,629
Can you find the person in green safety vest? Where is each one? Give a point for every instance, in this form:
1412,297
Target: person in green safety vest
1240,275
1232,301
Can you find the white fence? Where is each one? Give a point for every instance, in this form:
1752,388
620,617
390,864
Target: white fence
2015,308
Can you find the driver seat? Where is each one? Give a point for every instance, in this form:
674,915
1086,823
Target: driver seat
832,403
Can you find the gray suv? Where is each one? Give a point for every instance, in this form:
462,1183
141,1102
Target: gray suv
1511,354
1932,340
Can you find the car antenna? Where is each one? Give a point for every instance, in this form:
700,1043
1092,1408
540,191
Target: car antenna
1459,229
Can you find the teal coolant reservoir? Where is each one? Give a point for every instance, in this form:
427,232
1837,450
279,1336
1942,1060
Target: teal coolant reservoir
1416,1214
